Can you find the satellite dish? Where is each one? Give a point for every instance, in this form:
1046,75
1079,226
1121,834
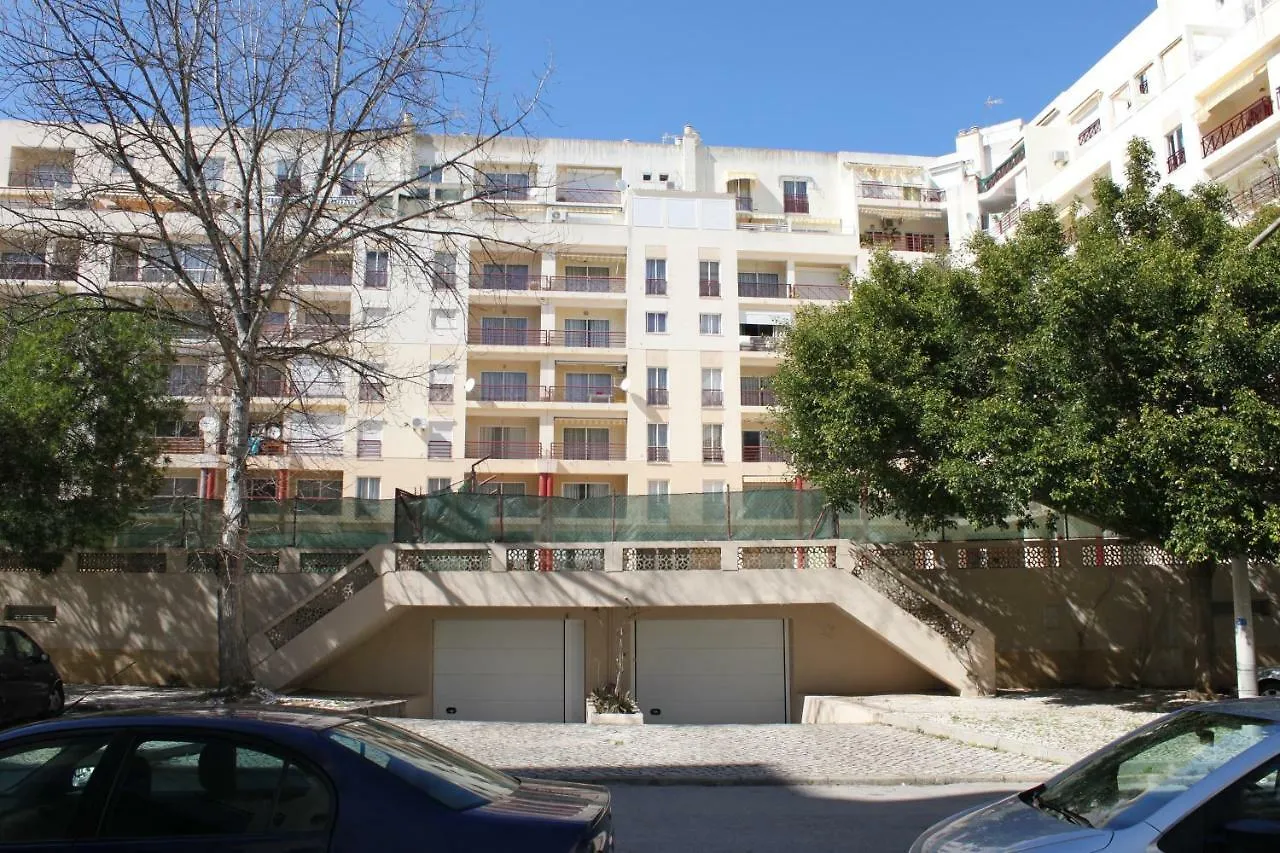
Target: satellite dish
470,384
625,385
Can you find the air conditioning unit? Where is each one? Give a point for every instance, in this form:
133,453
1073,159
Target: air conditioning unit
557,215
419,423
1061,156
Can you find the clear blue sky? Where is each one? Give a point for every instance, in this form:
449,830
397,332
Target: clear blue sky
892,75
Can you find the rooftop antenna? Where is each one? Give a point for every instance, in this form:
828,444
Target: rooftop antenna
994,102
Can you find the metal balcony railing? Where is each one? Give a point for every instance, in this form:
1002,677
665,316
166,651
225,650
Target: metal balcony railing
1010,220
761,453
758,397
584,339
368,448
1261,192
42,177
587,284
712,453
658,396
505,337
659,453
820,292
763,290
712,398
579,394
709,288
795,204
1094,128
37,270
655,287
478,449
1236,126
901,192
493,393
505,281
180,444
760,343
588,195
594,451
1176,160
904,242
439,449
324,278
1019,154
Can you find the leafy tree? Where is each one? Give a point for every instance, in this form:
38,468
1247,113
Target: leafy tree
80,397
1121,368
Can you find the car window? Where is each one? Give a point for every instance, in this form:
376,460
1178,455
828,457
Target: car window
202,787
6,645
23,646
42,787
452,779
1129,780
1244,817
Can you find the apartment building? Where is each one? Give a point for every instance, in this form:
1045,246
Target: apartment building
1198,79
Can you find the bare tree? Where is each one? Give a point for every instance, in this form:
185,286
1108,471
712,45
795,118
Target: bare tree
229,164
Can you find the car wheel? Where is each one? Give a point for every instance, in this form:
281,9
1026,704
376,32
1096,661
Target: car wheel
1269,687
55,701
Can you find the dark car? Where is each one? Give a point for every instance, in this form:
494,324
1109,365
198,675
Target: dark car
30,686
260,780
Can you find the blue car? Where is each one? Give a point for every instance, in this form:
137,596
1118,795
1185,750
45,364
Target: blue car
270,781
1201,780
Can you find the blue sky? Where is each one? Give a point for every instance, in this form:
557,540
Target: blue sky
892,76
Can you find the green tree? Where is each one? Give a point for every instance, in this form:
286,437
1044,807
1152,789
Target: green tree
80,397
1121,368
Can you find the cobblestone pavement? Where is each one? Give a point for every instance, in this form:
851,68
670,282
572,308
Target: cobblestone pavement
1075,722
767,754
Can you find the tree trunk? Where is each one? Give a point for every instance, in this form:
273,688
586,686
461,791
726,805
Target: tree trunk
1200,595
235,671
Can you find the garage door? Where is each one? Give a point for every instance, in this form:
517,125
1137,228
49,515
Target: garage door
712,671
521,670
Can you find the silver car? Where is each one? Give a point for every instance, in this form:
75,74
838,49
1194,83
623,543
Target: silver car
1202,780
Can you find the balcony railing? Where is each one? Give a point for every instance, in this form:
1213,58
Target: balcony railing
494,393
763,290
478,449
658,396
586,284
904,242
37,270
375,392
41,177
1176,160
368,448
1019,154
795,204
655,287
659,453
1094,128
708,288
820,292
901,192
1010,220
587,195
505,281
1240,123
439,449
743,204
325,278
375,279
439,392
712,398
758,397
584,339
712,453
760,343
761,453
578,394
589,450
180,444
505,337
1262,192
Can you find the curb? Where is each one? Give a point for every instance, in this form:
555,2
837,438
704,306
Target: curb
621,779
1053,755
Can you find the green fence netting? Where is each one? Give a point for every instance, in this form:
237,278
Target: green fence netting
346,524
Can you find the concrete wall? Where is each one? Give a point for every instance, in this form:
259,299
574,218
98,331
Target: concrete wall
831,653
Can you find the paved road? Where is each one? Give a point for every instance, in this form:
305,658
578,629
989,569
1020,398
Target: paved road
830,754
849,819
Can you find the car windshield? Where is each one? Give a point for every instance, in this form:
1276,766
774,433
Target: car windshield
1124,783
449,777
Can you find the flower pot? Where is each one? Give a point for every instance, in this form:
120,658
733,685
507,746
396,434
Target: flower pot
597,719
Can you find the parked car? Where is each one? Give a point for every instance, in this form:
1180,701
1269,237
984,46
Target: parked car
1204,779
30,686
264,780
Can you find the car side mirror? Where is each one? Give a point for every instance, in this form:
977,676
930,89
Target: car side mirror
42,657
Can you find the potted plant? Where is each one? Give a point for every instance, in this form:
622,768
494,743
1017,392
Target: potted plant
610,705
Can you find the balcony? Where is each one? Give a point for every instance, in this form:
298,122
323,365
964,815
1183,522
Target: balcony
655,287
1176,160
503,449
37,270
505,281
712,398
795,204
1019,154
591,451
579,394
507,393
712,453
1236,126
180,444
1089,132
904,242
743,204
42,177
761,453
586,284
760,343
587,195
583,339
758,397
1006,224
708,288
763,290
1259,193
324,278
506,337
659,453
658,396
820,292
901,192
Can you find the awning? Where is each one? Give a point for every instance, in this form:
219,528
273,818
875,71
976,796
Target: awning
766,318
604,422
920,212
1221,91
740,176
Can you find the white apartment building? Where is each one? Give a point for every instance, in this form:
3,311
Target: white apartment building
1197,79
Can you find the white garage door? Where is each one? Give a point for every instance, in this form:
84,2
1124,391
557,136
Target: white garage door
712,671
521,670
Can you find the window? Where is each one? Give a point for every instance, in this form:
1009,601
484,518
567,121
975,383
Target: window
504,385
320,490
214,787
1244,817
713,442
586,443
187,380
443,271
761,285
709,278
369,488
658,450
375,315
261,489
506,489
506,185
582,491
587,279
709,324
179,487
436,485
42,797
504,331
430,173
795,196
659,500
712,387
1144,81
352,180
369,440
505,277
314,379
212,170
655,322
288,177
588,333
377,270
1176,150
444,319
659,488
714,495
655,277
588,388
658,395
